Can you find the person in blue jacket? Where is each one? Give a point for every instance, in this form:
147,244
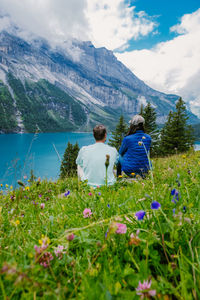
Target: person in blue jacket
134,149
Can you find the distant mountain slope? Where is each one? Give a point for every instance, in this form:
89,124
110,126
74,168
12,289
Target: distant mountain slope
71,89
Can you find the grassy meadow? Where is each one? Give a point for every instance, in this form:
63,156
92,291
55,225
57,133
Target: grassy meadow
134,240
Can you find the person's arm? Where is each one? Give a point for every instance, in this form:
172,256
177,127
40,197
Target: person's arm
123,147
79,160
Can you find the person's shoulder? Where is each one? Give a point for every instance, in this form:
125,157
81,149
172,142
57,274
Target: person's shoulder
110,148
86,148
147,136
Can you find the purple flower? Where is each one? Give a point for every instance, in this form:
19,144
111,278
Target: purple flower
175,195
99,193
87,213
121,228
108,205
173,210
42,206
67,193
173,192
40,195
155,205
140,214
70,237
143,290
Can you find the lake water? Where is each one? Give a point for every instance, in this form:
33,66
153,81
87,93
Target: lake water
20,153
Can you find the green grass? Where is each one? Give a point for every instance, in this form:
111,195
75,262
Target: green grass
99,263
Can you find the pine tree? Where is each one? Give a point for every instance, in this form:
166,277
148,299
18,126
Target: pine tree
118,134
149,114
68,165
176,135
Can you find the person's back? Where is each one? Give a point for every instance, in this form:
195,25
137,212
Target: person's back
92,160
134,150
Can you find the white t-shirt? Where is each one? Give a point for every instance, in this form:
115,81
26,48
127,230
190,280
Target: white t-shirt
92,160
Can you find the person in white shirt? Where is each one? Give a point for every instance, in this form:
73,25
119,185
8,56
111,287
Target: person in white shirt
91,160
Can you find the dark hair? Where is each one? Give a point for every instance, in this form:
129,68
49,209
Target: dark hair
99,132
134,128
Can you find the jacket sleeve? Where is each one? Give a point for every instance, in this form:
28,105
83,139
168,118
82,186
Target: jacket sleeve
123,147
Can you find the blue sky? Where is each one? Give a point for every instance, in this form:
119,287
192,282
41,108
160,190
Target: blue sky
166,14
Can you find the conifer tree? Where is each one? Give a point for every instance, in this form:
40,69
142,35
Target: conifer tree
118,134
177,136
149,114
68,165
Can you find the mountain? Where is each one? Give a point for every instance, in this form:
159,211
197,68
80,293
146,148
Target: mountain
67,88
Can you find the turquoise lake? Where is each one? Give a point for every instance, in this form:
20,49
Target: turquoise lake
22,152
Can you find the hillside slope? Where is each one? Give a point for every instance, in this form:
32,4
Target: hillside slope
92,81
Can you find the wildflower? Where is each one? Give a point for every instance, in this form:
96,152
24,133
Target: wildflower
70,237
107,162
6,185
27,188
134,239
42,206
132,174
17,222
20,183
67,193
40,195
44,241
1,184
175,195
143,290
25,177
99,193
143,137
155,205
28,180
184,208
183,156
108,205
87,213
120,176
59,251
140,214
173,210
140,143
12,197
11,187
43,258
89,194
121,228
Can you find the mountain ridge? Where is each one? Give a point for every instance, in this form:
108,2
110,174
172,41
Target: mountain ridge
92,78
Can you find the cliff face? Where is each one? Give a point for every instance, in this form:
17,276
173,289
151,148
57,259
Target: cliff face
72,88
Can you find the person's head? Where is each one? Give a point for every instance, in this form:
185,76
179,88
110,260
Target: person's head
100,133
136,123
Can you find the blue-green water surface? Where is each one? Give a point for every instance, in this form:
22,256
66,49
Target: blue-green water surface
20,153
40,152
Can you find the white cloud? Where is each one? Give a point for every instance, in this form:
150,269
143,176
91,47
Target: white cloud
53,20
109,23
113,23
172,66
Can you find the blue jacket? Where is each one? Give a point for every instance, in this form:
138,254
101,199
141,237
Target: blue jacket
134,151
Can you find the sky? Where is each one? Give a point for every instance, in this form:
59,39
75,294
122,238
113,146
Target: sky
159,40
